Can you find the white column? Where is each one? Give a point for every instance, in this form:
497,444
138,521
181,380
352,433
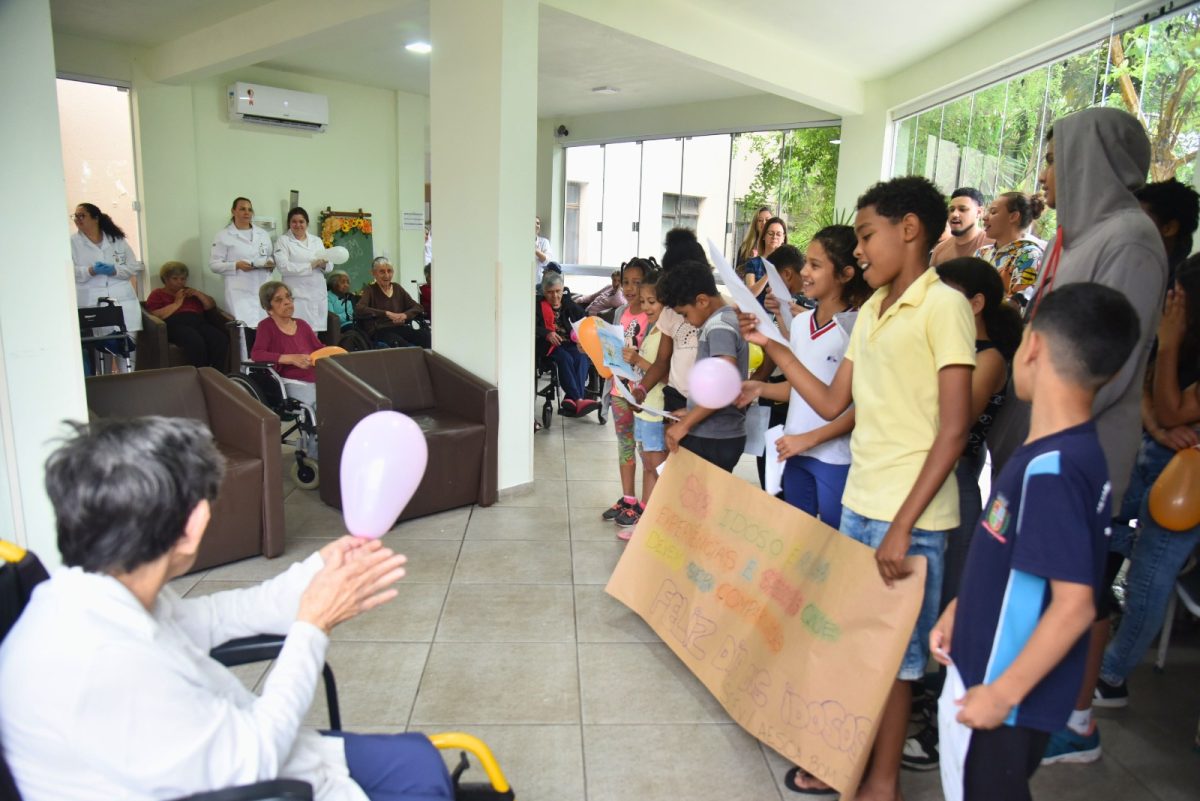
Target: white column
483,130
412,119
41,370
550,158
865,152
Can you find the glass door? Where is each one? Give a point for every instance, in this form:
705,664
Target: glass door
622,180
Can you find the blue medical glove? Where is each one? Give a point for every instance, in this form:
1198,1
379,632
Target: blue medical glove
104,268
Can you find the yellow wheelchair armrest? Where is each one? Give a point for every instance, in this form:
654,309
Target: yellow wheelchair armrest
456,740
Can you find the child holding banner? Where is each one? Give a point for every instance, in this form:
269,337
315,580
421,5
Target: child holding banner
1015,635
632,321
648,428
817,451
716,435
907,370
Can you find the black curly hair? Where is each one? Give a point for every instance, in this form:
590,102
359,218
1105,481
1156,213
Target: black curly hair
911,194
680,285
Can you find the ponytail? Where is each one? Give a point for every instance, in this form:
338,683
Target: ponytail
107,227
972,276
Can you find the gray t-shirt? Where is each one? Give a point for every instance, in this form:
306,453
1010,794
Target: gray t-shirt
720,336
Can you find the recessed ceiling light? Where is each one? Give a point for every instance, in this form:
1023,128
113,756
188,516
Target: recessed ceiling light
419,47
605,90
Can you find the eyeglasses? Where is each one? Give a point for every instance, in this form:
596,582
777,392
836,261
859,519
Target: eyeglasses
77,216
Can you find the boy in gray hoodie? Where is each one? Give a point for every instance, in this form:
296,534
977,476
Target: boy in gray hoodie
1095,159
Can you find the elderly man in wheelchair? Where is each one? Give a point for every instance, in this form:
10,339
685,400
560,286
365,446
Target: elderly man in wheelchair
109,690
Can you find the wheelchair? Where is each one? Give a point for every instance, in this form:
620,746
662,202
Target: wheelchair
21,572
102,333
597,390
298,419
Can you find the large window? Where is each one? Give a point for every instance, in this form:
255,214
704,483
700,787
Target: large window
994,138
623,197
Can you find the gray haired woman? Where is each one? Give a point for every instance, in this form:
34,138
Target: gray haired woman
183,309
554,314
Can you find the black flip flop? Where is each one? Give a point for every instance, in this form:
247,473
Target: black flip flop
789,781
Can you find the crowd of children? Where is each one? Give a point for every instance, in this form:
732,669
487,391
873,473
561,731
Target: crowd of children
899,382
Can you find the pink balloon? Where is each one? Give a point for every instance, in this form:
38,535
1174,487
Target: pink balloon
382,464
714,383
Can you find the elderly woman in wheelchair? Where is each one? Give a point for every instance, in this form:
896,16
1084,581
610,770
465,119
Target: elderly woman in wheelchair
109,690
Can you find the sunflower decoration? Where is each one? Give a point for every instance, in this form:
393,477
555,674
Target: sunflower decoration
332,224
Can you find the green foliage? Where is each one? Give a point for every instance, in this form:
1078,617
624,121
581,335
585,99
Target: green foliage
797,174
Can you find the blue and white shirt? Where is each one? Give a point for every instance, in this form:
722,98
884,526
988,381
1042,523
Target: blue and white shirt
1047,520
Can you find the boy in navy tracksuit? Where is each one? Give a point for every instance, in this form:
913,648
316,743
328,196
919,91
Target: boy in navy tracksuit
1016,632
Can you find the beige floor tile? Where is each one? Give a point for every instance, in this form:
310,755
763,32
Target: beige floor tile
305,516
517,523
376,683
593,561
601,618
585,451
499,683
541,763
531,613
546,492
587,430
514,562
209,587
548,464
260,568
429,561
601,466
587,523
1156,749
667,762
441,526
641,683
1105,778
183,584
411,616
601,492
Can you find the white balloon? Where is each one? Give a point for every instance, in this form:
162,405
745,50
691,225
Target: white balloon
335,255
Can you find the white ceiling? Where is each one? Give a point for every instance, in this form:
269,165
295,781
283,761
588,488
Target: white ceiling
868,38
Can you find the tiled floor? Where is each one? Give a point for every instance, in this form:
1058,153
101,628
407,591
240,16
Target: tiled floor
502,628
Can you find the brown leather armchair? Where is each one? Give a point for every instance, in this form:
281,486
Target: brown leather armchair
155,352
247,517
458,413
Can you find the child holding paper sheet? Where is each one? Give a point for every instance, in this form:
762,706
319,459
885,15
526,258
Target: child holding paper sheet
632,321
907,369
1016,632
817,452
648,428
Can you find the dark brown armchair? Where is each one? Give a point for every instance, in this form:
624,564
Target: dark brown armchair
458,413
155,352
247,517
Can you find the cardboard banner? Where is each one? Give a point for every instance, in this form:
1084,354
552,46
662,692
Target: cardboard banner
786,621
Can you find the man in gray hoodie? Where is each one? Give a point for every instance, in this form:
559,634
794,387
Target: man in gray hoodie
1095,159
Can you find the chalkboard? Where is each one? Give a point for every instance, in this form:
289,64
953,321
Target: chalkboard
361,254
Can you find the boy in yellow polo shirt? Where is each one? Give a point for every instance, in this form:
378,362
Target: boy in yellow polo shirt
908,372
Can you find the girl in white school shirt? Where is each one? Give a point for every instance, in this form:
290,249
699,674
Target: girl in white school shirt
104,264
298,257
241,253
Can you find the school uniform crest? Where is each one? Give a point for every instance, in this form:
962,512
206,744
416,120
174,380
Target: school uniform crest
997,519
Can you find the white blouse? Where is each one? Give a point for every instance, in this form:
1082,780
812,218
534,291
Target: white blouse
294,259
90,288
230,246
104,700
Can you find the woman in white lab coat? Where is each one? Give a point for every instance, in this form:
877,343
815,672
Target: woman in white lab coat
241,253
300,258
104,264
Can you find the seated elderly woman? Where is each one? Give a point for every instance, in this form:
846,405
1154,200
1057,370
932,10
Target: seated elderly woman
286,342
182,308
552,321
391,309
341,299
109,691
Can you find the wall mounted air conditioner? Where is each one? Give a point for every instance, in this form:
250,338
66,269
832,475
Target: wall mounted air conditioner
266,105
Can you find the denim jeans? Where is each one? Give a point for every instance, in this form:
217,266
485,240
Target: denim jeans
931,545
815,487
572,370
1156,557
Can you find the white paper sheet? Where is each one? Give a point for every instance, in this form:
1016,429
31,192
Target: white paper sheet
758,419
742,297
774,471
624,392
779,289
953,737
612,340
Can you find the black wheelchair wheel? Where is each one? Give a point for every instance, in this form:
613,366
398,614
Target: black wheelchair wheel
305,473
547,416
354,341
246,385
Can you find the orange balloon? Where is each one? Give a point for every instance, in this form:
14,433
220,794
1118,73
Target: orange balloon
1175,496
332,350
589,340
